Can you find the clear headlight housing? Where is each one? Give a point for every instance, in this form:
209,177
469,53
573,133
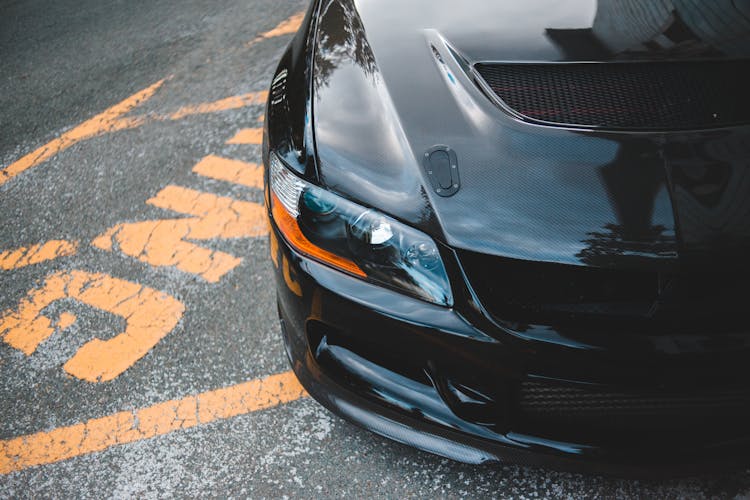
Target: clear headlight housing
359,241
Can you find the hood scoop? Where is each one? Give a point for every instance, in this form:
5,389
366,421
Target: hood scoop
661,95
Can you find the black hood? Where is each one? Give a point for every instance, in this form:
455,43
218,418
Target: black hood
394,79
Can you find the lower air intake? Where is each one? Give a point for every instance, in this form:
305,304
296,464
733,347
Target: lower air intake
590,411
558,400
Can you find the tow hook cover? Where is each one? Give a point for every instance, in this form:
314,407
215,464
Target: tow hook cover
441,165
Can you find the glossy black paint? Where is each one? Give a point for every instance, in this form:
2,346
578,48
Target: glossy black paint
393,80
444,380
366,88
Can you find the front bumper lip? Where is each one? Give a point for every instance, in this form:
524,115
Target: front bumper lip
446,442
384,399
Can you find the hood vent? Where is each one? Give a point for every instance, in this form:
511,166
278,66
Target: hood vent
625,96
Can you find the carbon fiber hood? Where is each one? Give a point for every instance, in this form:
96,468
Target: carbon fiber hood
391,80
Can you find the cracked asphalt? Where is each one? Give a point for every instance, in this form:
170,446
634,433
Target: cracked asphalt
140,352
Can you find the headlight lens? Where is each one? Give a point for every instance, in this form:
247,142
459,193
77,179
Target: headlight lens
354,239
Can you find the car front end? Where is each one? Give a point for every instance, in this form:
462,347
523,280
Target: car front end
495,274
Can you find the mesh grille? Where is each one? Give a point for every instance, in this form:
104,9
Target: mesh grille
552,400
587,412
653,95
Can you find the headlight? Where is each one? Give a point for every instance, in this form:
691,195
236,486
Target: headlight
354,239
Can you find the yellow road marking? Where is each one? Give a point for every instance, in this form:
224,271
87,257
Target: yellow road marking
163,242
105,122
149,316
98,434
65,320
286,27
247,136
111,120
223,169
34,254
234,102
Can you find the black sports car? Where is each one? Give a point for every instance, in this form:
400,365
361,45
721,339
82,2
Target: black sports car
519,230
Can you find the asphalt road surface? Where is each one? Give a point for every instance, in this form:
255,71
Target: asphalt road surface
139,346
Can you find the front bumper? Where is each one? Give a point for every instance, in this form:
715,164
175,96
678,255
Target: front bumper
450,381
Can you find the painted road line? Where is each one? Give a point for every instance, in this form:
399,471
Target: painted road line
98,434
235,171
247,136
108,121
288,26
34,254
234,102
149,316
164,242
111,120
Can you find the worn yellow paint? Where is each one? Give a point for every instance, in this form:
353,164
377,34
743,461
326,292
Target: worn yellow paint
101,433
65,320
247,136
224,169
108,121
164,242
288,26
34,254
149,315
112,120
233,102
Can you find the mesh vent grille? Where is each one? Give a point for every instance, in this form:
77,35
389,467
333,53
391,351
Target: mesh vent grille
562,401
574,413
651,95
